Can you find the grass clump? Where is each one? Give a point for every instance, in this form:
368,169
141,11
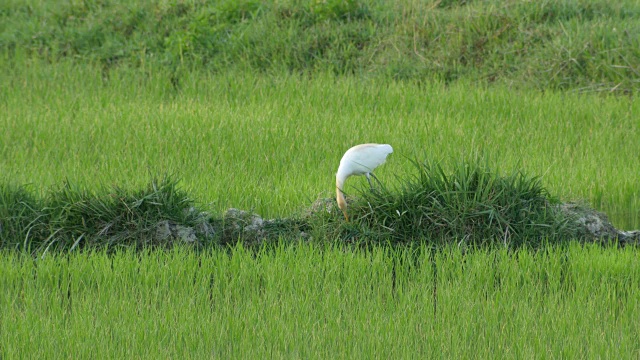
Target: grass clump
70,217
470,204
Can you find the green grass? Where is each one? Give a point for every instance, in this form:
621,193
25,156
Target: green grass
469,204
300,300
251,104
586,45
72,218
272,144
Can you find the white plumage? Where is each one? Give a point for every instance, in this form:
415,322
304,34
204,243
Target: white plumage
359,160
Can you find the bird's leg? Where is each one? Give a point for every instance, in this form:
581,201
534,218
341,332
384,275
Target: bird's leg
368,175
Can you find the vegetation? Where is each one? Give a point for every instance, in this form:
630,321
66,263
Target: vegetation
71,217
587,45
251,104
306,301
472,206
272,144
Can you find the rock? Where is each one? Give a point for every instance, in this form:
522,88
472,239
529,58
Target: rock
163,230
167,230
327,205
185,234
630,237
243,224
253,229
206,230
595,226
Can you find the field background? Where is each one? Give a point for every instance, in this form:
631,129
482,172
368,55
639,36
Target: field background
273,144
251,104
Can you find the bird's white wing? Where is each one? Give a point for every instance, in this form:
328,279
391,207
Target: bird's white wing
366,157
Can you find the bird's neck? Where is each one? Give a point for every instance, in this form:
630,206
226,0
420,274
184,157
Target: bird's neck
339,181
342,202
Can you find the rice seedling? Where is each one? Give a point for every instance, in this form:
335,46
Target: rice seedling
258,143
311,301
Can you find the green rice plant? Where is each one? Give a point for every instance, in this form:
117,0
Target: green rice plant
329,301
256,142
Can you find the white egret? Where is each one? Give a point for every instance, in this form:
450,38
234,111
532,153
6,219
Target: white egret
359,160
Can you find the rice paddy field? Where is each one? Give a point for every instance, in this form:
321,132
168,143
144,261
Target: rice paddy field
273,144
302,301
238,133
